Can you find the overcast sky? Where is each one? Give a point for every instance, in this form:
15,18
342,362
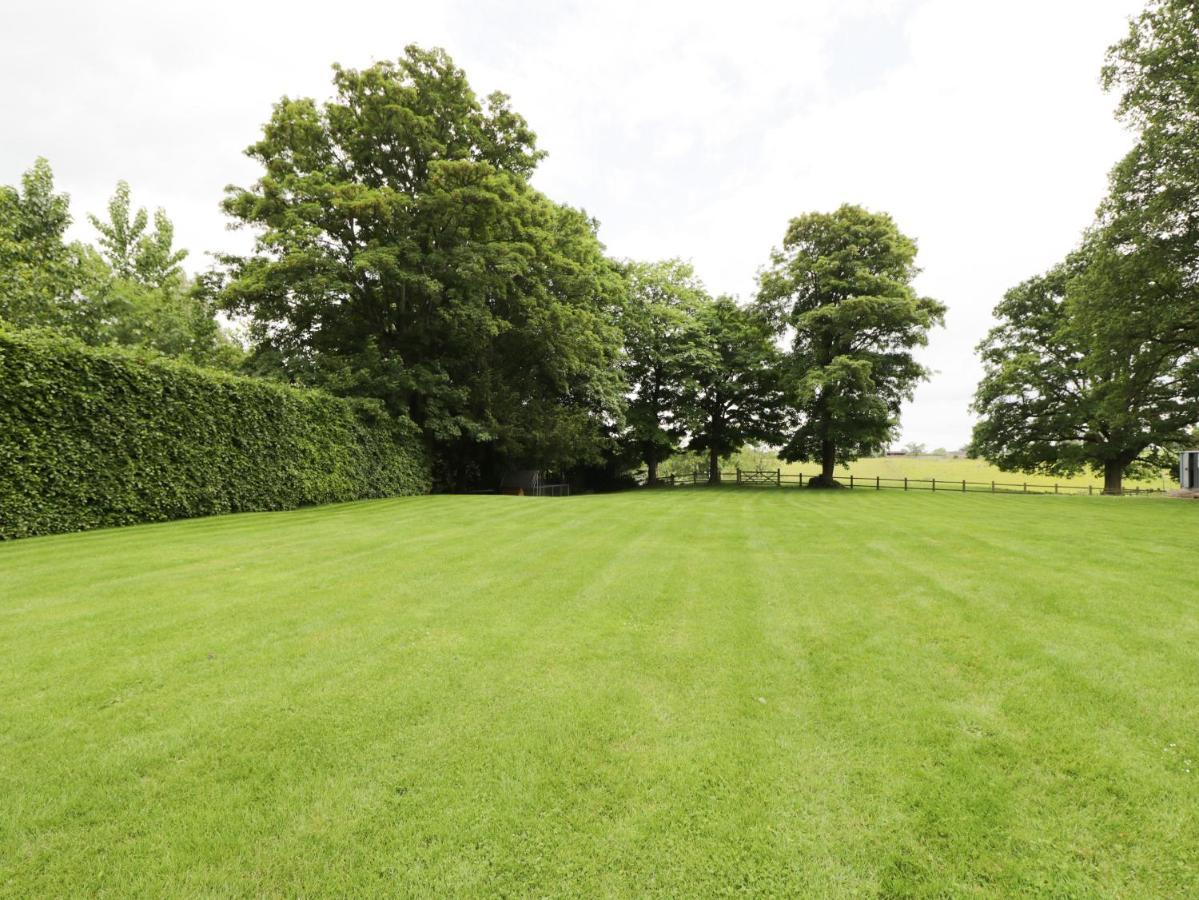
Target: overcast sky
689,129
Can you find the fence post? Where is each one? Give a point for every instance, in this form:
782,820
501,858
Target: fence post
1026,487
992,486
738,474
934,485
1055,487
877,486
905,482
1091,490
778,477
851,482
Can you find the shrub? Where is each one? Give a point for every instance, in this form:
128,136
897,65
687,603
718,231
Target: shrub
98,437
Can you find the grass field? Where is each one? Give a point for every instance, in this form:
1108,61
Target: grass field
674,693
955,469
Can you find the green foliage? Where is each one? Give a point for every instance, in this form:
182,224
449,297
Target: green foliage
1124,308
178,320
1096,364
40,274
1146,274
843,283
141,295
402,254
662,340
757,458
1154,197
1033,399
737,394
97,437
131,292
1072,381
132,254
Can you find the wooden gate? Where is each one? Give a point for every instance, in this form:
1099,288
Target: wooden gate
758,476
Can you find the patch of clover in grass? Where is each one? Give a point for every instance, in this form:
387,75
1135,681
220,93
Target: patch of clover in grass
1183,762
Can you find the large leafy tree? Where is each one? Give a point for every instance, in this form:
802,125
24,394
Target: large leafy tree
662,337
132,252
140,295
734,394
402,254
1146,378
1152,208
1155,188
1063,388
132,291
1106,375
1096,364
841,285
40,272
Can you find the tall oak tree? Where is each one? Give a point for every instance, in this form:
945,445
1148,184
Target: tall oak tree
840,288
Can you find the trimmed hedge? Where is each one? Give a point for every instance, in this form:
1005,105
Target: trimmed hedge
97,437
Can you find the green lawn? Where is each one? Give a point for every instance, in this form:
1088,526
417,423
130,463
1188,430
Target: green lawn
672,692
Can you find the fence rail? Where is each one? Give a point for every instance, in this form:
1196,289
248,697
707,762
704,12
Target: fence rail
779,478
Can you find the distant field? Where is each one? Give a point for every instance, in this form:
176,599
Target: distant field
951,469
657,693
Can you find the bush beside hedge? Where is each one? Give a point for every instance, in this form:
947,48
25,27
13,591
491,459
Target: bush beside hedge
98,437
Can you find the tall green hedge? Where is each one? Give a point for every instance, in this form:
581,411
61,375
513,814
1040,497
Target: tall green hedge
97,437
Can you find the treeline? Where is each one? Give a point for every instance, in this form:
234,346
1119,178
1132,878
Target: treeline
818,365
403,255
1095,363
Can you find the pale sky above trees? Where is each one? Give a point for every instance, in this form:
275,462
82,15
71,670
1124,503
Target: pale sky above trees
688,129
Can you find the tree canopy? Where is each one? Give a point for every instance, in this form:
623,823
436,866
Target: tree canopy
402,254
1066,387
841,286
1152,207
40,273
1155,188
132,291
663,339
1096,363
735,393
132,253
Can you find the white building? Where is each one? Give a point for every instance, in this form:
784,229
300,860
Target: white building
1188,470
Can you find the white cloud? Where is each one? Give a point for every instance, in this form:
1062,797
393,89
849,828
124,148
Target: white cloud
690,129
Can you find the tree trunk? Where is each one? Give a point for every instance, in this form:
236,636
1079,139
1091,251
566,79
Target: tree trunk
651,467
828,461
461,477
713,466
1113,477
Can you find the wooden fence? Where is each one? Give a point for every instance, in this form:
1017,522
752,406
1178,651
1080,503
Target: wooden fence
779,478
